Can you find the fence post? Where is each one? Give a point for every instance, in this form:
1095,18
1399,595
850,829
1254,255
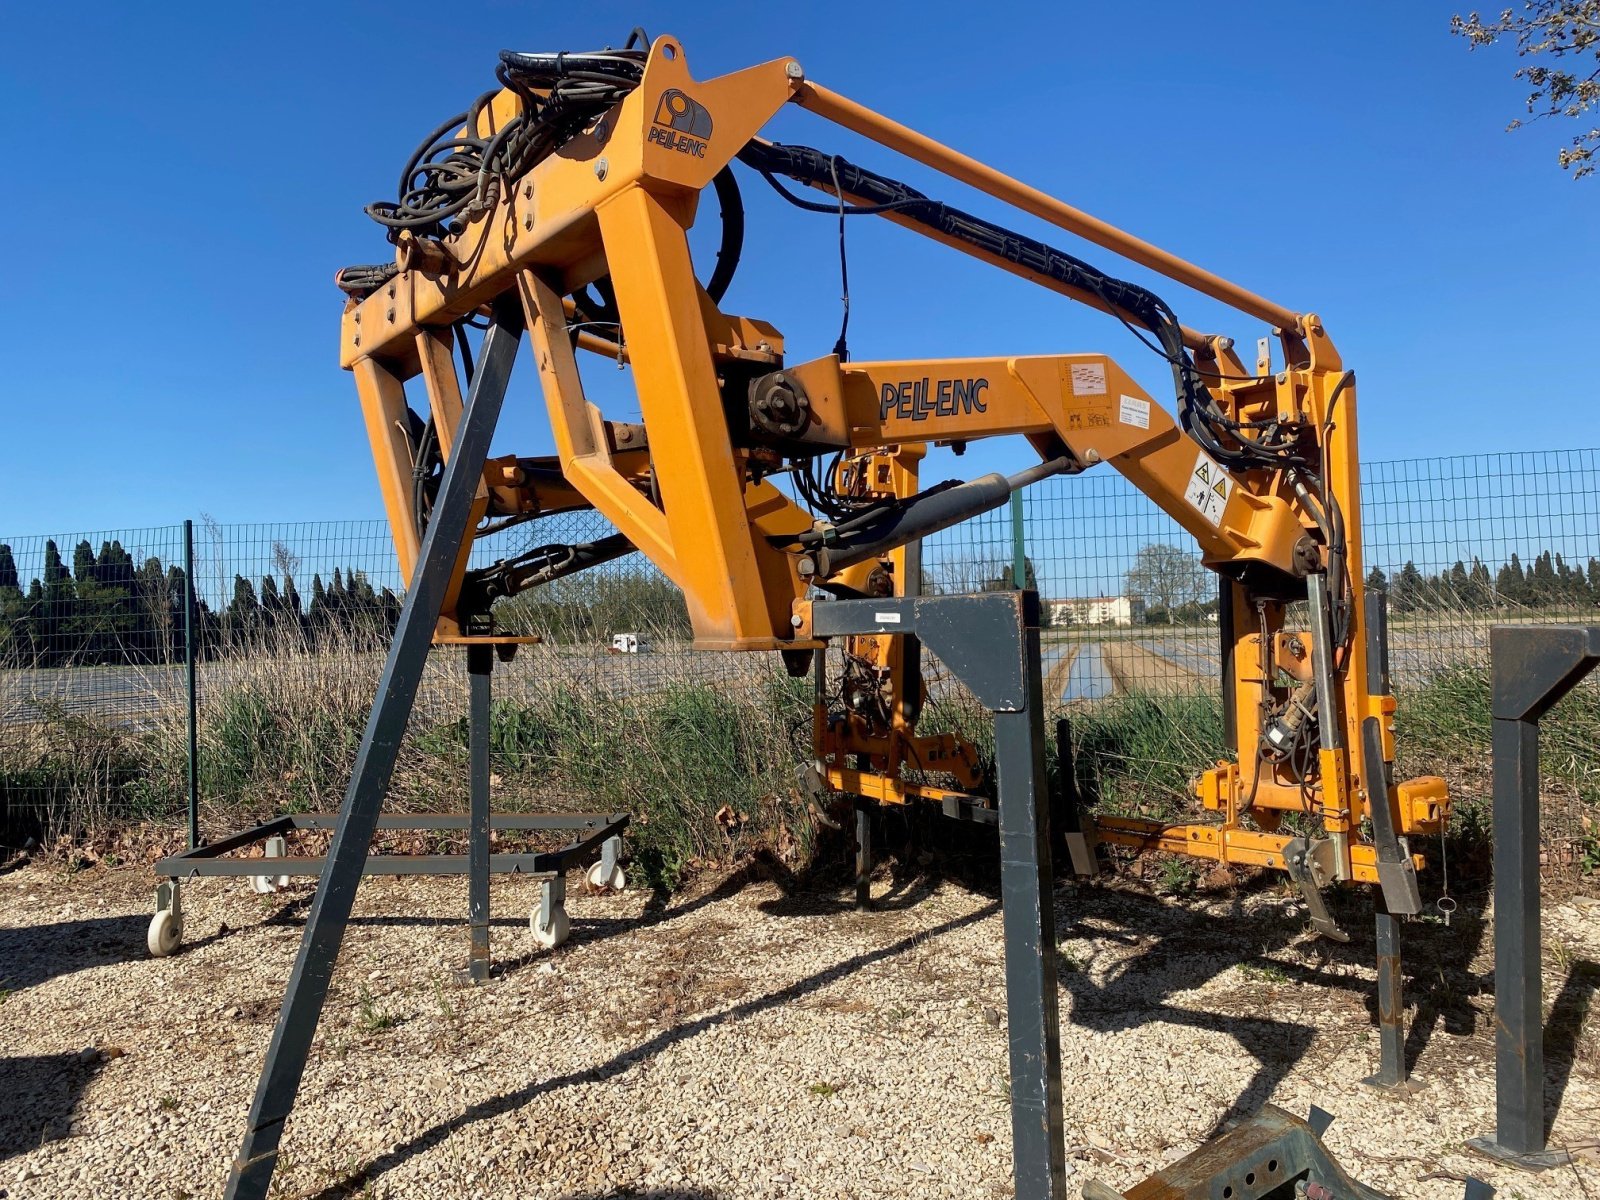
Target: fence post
1019,544
188,666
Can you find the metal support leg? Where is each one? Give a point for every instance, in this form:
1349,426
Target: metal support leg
991,643
1391,1004
285,1063
1026,887
1533,667
864,809
480,663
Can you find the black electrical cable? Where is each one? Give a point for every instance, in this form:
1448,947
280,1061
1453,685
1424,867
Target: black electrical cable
456,171
841,347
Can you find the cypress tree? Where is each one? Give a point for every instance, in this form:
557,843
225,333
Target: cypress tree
244,612
1482,587
271,602
13,613
54,610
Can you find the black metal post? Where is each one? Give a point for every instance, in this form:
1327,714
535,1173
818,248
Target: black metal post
1533,667
1391,1000
285,1062
1518,1000
480,663
1027,891
864,809
189,676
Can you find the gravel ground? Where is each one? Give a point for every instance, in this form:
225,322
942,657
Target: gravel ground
748,1041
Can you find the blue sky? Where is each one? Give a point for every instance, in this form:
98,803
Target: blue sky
186,179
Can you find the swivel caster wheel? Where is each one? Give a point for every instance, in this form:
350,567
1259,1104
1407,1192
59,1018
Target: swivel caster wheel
165,934
597,878
166,927
266,885
549,934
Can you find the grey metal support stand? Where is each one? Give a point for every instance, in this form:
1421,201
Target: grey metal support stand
251,1175
1534,666
480,663
991,643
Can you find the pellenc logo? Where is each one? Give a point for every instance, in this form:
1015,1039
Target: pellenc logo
681,124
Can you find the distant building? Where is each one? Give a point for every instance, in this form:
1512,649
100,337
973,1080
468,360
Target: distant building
1096,610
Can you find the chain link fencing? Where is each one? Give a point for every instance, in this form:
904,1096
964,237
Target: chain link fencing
613,710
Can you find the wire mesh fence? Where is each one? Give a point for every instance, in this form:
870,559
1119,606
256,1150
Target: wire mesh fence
291,622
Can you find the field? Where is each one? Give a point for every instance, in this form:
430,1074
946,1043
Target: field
752,1037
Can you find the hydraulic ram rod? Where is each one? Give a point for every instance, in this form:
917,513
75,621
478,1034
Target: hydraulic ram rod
925,515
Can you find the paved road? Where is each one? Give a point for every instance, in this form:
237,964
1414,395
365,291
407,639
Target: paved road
132,694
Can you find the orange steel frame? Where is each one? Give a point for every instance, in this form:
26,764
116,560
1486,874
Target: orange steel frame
617,201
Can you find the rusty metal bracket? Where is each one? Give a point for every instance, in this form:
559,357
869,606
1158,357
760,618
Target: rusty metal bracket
1272,1154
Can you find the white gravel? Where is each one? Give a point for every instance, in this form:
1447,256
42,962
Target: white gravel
744,1042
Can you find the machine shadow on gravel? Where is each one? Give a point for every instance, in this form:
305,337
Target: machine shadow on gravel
1563,1029
34,954
625,1061
41,1092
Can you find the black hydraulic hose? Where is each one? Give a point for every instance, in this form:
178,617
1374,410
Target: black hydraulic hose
1198,413
731,202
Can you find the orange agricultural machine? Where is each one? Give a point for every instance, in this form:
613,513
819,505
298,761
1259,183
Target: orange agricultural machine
782,494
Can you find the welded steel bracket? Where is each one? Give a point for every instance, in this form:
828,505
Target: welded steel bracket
1533,667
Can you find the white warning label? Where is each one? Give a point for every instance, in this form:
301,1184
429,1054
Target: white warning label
1135,412
1089,379
1208,488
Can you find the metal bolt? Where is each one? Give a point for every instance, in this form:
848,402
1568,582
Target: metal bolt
601,167
1225,343
793,70
1091,456
795,621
